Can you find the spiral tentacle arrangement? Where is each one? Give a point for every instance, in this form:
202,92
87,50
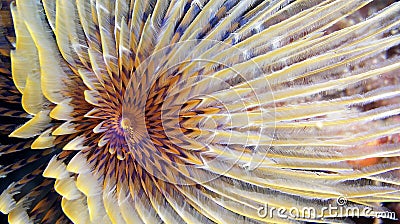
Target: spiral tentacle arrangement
196,111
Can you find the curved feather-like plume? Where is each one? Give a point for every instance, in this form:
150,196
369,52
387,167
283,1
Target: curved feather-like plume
196,111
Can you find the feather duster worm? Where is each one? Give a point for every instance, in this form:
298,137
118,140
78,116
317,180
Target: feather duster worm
196,111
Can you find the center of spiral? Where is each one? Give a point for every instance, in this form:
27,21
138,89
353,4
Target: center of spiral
125,123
